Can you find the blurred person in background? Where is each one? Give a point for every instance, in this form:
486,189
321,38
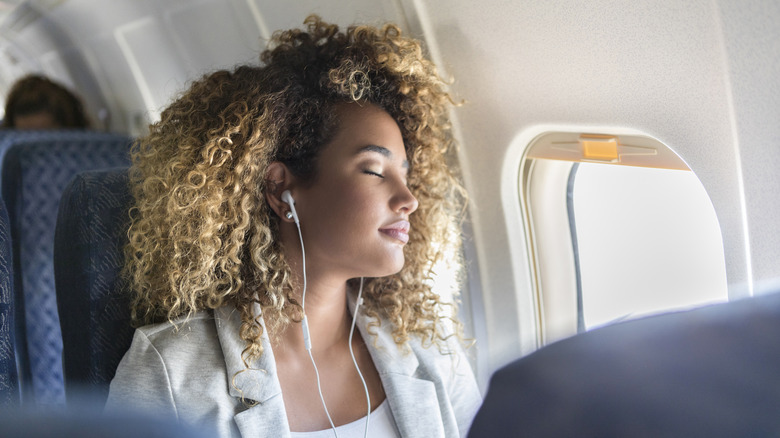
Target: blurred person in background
36,102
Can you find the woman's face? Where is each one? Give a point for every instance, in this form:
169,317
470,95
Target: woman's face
36,121
355,216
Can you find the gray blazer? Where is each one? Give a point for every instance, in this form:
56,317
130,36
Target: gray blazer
193,372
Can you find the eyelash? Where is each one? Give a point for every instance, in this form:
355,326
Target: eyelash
369,172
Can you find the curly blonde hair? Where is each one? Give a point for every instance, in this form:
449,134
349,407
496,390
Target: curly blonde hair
202,235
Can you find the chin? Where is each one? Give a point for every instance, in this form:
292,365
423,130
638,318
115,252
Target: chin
398,265
391,267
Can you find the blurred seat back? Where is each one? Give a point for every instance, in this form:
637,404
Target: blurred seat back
89,422
711,372
88,257
35,170
10,137
9,386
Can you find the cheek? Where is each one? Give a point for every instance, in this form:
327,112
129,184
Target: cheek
355,221
353,205
339,215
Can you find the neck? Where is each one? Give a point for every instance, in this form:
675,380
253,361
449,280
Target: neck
327,315
325,303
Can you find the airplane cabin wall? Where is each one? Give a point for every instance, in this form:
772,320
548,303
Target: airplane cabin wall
752,42
700,75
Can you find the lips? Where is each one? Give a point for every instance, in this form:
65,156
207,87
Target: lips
398,231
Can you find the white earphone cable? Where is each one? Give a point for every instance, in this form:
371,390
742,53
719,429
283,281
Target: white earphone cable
319,388
305,327
354,361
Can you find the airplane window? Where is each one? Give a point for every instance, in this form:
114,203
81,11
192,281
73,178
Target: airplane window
647,241
619,227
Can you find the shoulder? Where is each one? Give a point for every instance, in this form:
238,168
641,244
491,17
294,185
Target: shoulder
197,321
170,345
446,353
442,359
181,335
177,348
447,364
158,372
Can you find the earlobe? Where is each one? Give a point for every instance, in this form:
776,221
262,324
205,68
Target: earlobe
278,179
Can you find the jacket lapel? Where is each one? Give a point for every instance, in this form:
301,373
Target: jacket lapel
413,400
257,384
414,405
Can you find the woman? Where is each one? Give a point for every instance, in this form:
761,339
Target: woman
267,200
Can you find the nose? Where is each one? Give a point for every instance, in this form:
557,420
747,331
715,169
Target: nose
404,201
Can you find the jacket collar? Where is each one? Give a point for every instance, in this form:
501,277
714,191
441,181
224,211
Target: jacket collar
257,383
413,400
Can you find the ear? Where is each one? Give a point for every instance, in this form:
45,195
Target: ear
278,178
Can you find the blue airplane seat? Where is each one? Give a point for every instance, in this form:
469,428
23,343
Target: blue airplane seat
88,256
10,137
35,169
9,385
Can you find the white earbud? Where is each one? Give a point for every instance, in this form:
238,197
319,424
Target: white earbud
287,197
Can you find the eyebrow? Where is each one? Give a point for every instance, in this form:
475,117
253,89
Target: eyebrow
382,151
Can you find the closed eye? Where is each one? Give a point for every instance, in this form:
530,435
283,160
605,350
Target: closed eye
369,172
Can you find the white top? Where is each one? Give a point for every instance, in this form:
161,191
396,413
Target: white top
381,425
